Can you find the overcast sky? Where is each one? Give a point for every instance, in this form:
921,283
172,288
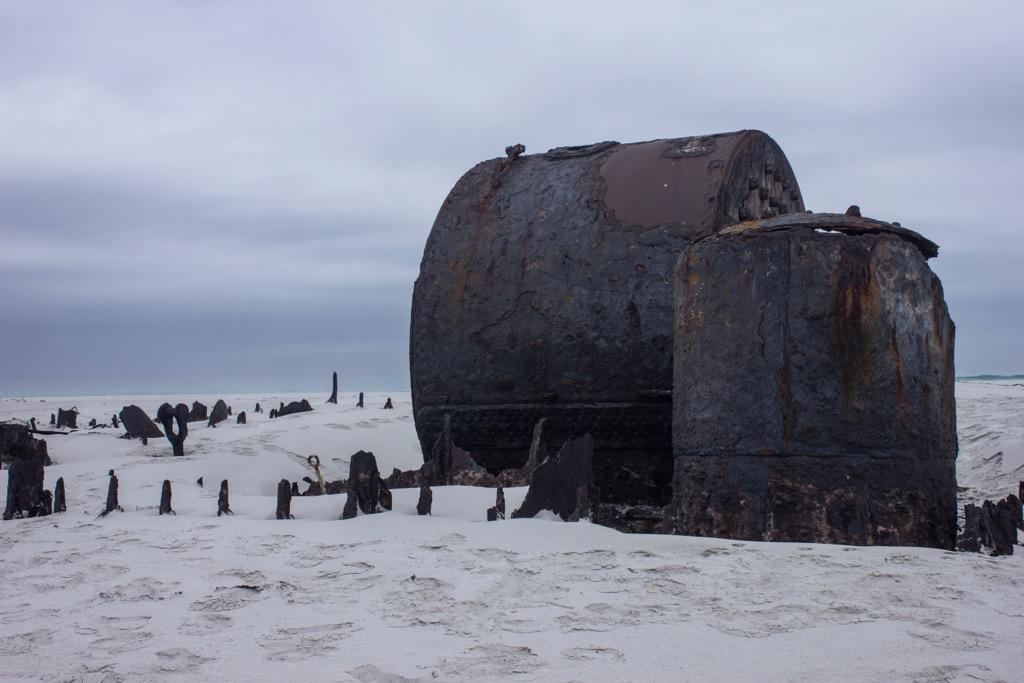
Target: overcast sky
202,195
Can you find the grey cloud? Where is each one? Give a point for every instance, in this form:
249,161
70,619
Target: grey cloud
181,172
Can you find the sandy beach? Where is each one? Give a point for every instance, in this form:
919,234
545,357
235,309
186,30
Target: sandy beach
398,597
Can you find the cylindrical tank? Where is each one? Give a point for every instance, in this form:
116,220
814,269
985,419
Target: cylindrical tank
545,290
813,394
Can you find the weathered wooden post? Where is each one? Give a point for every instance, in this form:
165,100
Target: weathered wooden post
334,392
67,418
167,416
223,507
284,500
24,488
426,500
112,503
165,497
59,499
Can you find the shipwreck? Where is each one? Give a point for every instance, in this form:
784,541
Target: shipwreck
745,369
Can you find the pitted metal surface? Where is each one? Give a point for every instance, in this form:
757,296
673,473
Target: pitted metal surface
547,286
813,397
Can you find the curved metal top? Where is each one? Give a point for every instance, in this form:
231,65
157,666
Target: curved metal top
702,182
835,222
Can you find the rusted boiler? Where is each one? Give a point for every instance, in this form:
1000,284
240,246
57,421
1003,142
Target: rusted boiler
546,291
814,386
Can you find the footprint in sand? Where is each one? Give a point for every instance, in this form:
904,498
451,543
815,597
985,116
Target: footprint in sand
592,653
305,641
491,661
25,642
206,624
177,660
127,636
370,673
228,599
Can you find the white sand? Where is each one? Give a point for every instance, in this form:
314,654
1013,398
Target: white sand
140,597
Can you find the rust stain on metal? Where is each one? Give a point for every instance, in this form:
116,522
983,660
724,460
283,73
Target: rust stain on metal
551,276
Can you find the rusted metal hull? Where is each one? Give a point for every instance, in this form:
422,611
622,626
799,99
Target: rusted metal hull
813,396
546,290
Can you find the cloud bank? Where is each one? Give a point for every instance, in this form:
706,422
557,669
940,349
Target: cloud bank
239,193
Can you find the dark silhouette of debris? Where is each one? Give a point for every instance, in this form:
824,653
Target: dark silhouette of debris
219,413
334,392
167,417
17,442
67,418
314,462
198,412
292,408
365,486
351,508
111,495
25,489
59,500
426,500
284,500
223,508
991,527
138,425
165,498
563,484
